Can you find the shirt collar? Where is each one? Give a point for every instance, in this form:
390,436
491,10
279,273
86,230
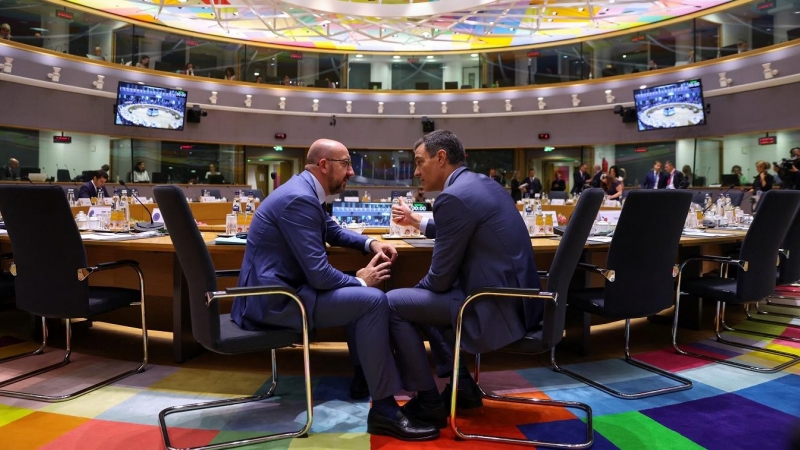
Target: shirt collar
318,187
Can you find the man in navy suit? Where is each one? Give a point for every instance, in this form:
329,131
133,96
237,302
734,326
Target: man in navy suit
674,178
579,179
654,179
286,247
481,241
98,181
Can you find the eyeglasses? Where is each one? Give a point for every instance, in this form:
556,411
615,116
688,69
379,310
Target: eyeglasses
347,162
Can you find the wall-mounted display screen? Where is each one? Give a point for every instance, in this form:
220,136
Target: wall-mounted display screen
670,106
140,105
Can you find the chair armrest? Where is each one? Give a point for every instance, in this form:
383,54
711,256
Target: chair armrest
781,251
718,259
543,274
228,273
506,292
608,274
253,290
86,271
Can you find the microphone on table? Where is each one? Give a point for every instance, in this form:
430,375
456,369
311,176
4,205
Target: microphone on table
143,226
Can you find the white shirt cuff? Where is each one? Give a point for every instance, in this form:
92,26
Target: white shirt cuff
423,224
367,249
363,283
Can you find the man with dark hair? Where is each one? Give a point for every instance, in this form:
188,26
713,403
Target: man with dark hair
286,247
674,177
787,170
579,179
532,184
90,188
481,241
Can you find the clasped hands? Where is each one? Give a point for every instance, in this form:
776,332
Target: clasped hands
379,268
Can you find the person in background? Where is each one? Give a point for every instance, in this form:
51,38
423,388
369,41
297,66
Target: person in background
480,242
532,185
654,179
558,185
598,171
580,178
5,31
286,247
212,170
651,65
287,81
331,84
139,174
614,173
144,62
611,186
516,191
98,52
764,180
493,175
420,196
11,170
189,69
674,177
90,188
741,47
230,74
737,170
107,169
259,79
687,175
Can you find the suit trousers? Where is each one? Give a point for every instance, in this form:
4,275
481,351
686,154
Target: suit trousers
366,311
431,312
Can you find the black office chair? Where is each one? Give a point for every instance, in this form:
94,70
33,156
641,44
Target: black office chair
51,276
211,193
256,193
788,276
558,195
62,175
545,337
639,274
755,277
699,198
215,331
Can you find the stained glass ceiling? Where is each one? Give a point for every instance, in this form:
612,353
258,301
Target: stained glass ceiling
402,25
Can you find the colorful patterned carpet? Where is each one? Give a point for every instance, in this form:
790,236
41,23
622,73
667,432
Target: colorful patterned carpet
727,408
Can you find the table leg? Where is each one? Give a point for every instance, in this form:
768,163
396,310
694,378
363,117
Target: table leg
184,347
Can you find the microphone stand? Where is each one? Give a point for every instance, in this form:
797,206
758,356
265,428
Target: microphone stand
143,226
721,195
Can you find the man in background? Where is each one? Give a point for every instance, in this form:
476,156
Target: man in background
654,179
580,178
531,184
674,177
97,183
11,170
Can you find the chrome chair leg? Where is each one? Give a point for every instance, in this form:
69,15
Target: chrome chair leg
38,351
764,312
792,359
501,398
237,401
683,385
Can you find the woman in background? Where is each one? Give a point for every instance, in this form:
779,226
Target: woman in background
139,174
230,74
737,170
688,177
611,186
212,170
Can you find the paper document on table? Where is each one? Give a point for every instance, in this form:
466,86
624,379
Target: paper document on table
232,240
700,233
117,236
599,239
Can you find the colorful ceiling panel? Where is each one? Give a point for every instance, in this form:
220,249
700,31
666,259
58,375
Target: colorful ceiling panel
402,25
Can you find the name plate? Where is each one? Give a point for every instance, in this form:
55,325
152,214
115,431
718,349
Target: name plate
108,201
559,202
157,217
84,202
611,204
352,199
208,199
95,211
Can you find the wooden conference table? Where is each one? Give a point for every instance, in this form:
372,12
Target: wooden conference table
165,285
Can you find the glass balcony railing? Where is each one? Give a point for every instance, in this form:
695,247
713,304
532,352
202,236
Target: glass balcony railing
734,30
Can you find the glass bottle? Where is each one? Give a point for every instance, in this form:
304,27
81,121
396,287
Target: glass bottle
548,224
126,212
249,210
71,197
100,196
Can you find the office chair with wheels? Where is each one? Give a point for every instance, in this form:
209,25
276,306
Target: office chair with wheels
639,274
544,338
215,331
754,282
51,276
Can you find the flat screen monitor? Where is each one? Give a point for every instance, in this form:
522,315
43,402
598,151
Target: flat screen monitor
451,84
422,86
670,106
140,105
215,179
730,179
371,214
25,171
376,85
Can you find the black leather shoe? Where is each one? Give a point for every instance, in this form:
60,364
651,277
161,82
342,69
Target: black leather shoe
466,398
401,427
359,389
436,416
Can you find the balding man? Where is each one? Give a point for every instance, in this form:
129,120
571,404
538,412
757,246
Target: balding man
11,170
286,247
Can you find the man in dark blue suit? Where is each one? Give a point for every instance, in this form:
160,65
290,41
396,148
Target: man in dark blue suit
481,241
286,247
579,179
655,179
98,181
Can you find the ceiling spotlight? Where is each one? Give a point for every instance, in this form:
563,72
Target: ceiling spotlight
624,56
644,86
396,57
429,57
474,55
359,56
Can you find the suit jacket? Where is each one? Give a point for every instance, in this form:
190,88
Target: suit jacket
286,247
677,179
596,179
482,241
534,185
558,185
651,181
10,174
579,180
88,190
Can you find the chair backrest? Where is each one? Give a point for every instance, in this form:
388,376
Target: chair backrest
699,198
256,193
194,260
643,252
558,195
48,251
566,260
736,198
212,193
790,267
62,175
776,211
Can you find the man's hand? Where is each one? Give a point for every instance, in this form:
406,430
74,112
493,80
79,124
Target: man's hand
376,271
402,215
386,251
